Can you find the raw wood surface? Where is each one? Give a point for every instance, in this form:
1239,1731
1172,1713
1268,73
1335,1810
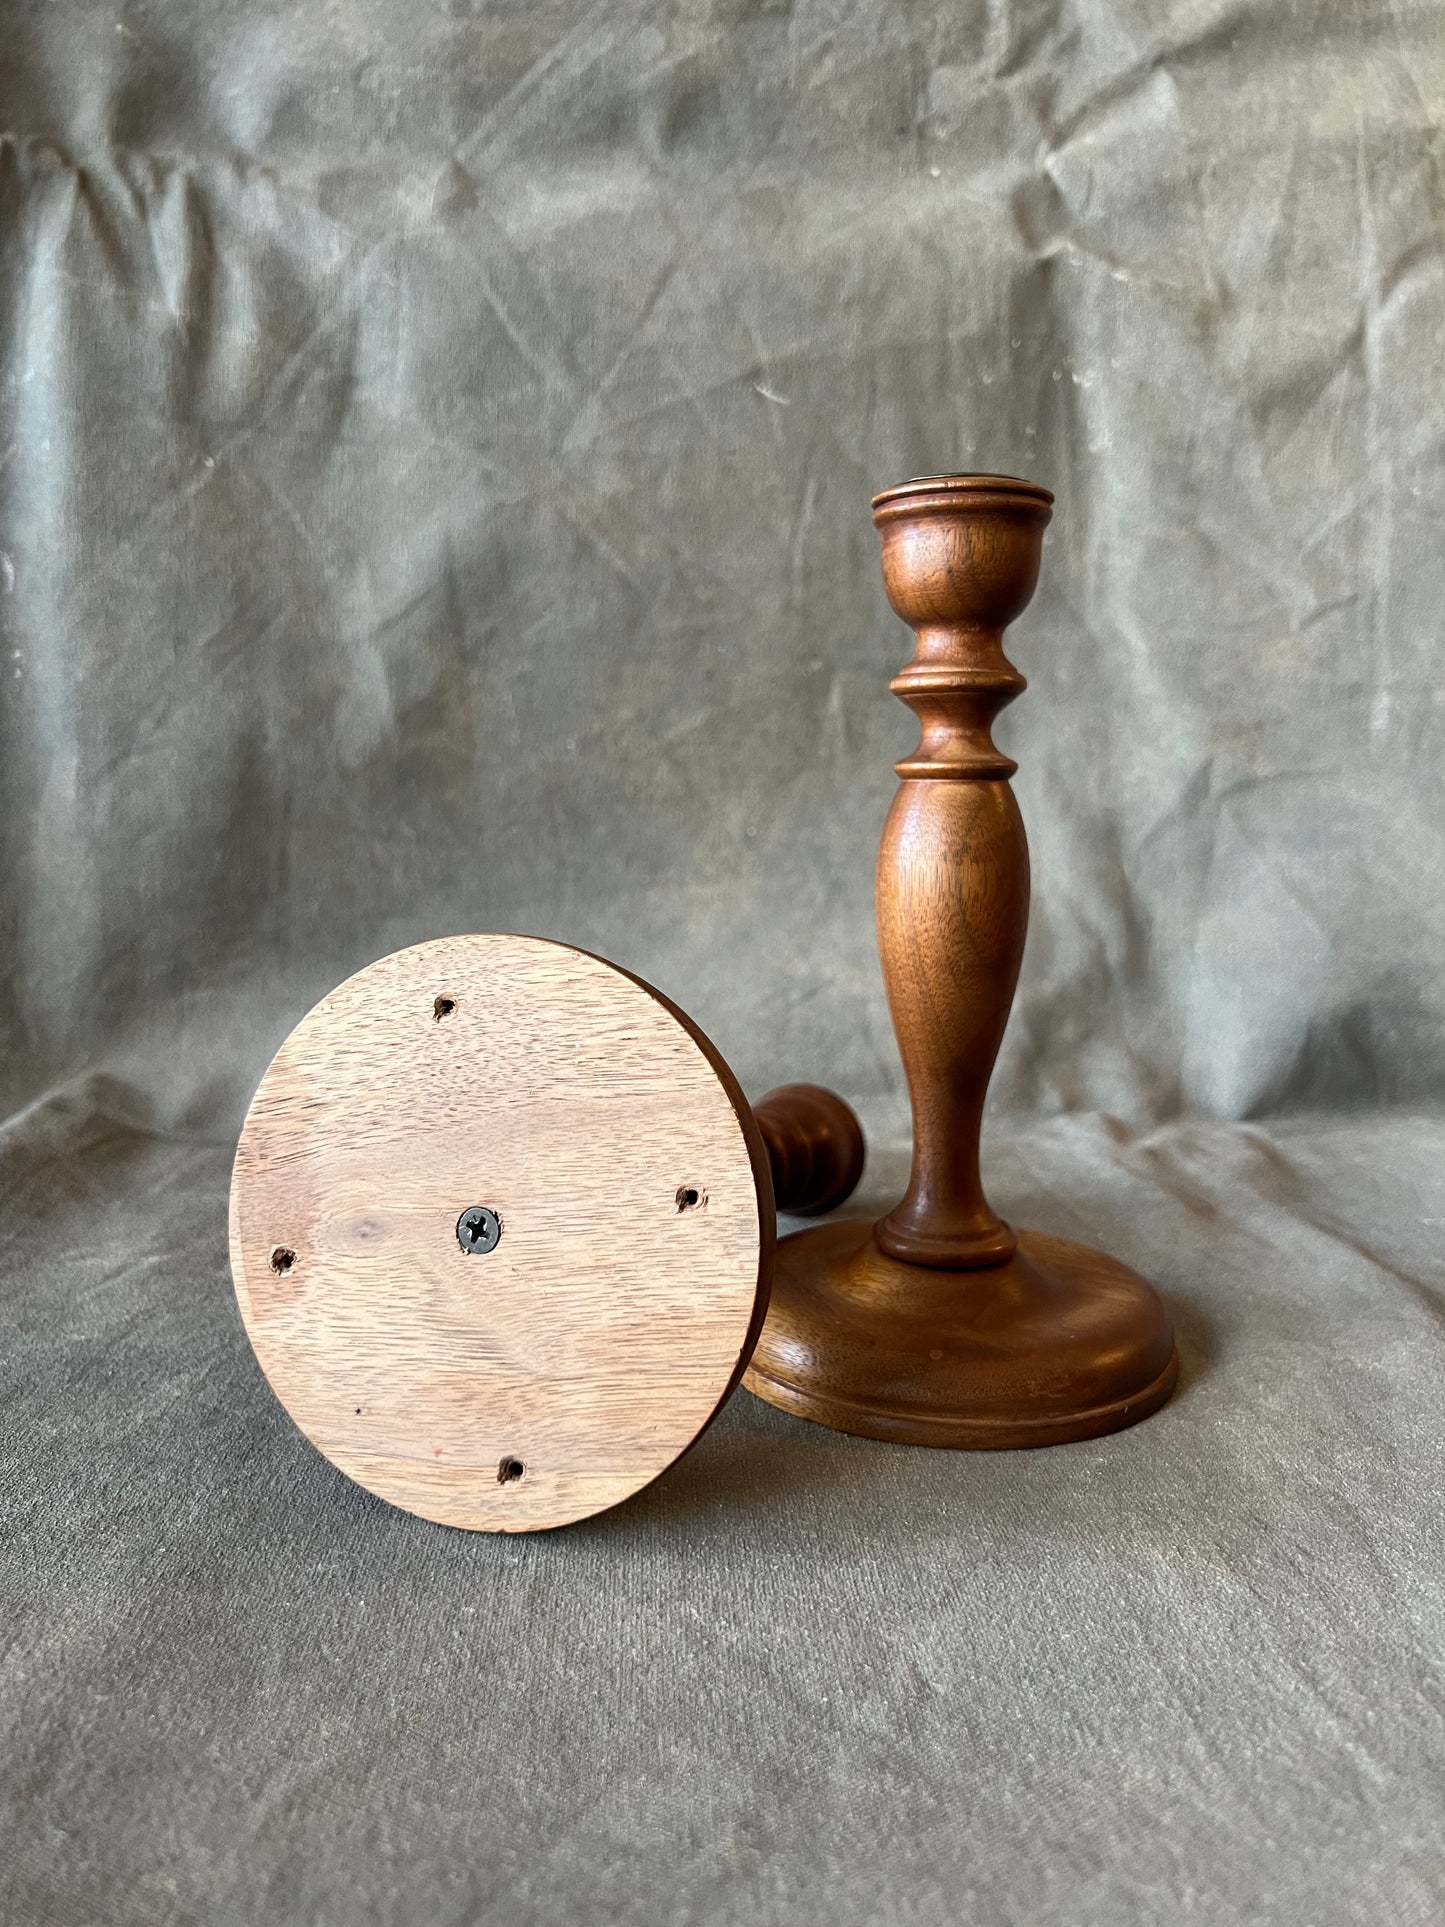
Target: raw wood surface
561,1371
941,1325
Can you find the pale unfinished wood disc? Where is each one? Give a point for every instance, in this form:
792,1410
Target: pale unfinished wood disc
594,1343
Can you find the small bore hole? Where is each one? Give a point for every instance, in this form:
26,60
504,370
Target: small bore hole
443,1007
689,1197
509,1471
282,1260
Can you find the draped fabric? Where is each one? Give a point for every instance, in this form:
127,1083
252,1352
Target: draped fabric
435,452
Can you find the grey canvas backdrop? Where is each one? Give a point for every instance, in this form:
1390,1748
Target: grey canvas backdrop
435,451
438,444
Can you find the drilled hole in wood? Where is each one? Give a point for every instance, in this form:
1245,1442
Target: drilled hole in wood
282,1260
509,1471
443,1007
689,1197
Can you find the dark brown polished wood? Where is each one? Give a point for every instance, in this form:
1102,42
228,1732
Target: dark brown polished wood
814,1145
941,1325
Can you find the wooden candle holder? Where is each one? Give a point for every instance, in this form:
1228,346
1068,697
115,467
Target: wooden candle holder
502,1228
942,1325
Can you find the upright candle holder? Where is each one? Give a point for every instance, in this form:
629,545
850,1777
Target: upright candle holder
942,1325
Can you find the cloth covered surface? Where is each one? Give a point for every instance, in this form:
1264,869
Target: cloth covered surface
435,449
1189,1672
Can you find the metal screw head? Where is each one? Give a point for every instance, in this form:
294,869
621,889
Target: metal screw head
478,1229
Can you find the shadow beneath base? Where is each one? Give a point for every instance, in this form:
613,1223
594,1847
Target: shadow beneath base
765,1471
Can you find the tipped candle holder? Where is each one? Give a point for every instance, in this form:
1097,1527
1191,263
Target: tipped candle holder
942,1325
502,1228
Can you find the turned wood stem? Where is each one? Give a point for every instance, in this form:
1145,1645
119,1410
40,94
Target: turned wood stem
814,1145
960,560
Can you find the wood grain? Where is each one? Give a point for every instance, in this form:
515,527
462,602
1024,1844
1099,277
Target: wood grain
940,1325
960,560
559,1373
815,1148
1058,1342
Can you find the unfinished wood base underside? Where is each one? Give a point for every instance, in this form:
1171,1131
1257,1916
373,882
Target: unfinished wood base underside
1059,1343
564,1366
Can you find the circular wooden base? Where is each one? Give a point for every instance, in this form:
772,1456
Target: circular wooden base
501,1231
1059,1343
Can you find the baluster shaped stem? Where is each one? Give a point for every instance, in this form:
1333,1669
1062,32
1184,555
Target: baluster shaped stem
960,560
